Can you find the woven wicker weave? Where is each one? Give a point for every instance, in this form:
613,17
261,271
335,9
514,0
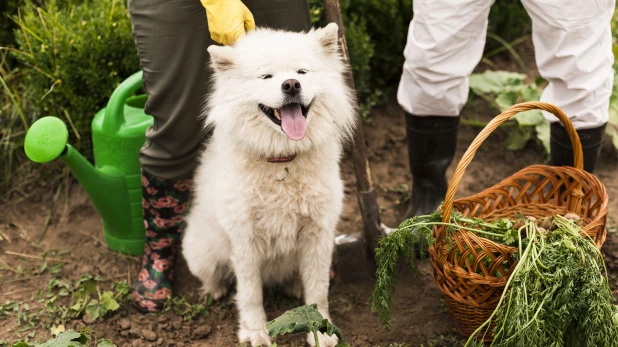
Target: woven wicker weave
472,288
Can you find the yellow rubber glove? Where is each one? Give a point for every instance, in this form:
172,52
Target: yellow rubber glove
228,20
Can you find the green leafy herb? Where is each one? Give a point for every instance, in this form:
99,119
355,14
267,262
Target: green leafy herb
557,295
416,234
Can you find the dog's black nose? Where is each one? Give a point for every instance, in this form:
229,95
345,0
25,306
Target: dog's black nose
291,87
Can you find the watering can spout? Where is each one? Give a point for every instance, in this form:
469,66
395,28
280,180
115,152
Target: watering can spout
47,140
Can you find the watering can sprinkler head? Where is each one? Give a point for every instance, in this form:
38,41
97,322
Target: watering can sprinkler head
46,140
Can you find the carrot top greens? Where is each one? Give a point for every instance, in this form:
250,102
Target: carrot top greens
557,294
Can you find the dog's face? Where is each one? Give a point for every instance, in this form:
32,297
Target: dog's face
278,93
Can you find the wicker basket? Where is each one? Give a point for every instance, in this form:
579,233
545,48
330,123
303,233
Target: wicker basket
472,289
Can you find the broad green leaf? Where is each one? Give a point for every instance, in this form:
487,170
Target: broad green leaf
517,138
88,287
525,94
107,300
95,310
531,92
529,118
20,344
87,284
69,338
494,82
506,100
106,343
303,319
122,288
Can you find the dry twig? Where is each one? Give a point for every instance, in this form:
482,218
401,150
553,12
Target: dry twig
38,257
17,291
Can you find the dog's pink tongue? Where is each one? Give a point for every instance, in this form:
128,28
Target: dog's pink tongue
293,122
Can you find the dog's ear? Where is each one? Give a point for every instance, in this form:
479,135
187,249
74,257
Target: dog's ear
221,57
328,37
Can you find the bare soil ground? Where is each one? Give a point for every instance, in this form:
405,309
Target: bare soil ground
74,236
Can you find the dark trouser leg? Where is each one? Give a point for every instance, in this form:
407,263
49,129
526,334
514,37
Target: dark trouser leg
432,141
171,38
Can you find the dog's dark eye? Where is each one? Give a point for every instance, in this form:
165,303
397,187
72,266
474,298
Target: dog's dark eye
301,71
264,77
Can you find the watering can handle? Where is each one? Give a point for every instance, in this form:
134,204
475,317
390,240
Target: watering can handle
114,112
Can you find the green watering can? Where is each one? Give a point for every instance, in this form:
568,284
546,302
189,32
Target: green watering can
114,183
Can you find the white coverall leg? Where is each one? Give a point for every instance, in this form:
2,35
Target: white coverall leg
445,42
573,48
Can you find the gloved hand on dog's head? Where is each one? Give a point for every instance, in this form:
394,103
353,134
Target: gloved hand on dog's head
228,20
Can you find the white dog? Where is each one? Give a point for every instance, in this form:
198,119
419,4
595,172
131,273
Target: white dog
268,192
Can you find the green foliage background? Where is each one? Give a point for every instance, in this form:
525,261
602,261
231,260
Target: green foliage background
73,56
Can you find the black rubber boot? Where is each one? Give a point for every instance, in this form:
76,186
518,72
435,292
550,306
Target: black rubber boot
432,141
562,149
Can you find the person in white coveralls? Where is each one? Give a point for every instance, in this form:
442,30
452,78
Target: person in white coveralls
573,50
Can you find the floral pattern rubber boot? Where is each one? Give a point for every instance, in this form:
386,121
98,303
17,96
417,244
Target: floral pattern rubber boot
164,203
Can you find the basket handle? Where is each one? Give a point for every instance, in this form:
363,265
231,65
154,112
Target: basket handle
493,125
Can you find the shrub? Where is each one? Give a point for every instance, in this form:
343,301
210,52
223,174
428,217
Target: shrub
68,58
73,56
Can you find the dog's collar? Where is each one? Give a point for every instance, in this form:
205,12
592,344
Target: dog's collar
281,159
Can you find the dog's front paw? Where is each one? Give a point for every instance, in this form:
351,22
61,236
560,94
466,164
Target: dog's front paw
325,340
258,337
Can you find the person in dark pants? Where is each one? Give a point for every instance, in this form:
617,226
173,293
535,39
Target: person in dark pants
171,38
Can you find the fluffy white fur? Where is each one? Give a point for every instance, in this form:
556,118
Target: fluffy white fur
270,223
